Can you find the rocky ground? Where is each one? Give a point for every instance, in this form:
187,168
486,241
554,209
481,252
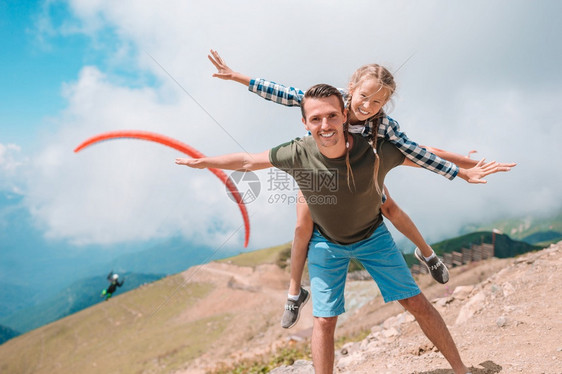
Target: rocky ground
504,314
510,322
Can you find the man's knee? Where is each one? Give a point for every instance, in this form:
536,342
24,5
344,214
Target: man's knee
325,323
417,304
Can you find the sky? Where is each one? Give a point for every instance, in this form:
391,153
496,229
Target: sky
482,75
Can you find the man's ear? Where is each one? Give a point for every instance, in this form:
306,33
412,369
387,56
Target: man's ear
304,123
345,114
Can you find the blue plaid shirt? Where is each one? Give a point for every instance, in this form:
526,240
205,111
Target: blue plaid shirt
388,128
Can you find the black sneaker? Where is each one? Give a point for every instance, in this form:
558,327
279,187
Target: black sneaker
293,309
436,267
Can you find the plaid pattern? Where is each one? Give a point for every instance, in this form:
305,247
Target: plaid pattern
388,128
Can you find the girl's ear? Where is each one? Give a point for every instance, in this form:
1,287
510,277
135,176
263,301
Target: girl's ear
350,88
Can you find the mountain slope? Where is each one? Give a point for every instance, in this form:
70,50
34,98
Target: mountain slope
520,228
7,333
216,315
80,295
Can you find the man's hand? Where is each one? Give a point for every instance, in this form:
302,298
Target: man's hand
190,162
478,172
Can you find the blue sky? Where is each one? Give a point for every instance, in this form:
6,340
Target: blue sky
481,76
32,71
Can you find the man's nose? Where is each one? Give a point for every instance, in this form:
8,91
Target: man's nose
325,123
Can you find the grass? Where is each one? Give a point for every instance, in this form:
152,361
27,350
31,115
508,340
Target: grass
284,356
140,331
270,255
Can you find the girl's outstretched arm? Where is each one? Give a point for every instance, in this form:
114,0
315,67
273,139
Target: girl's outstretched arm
464,161
475,173
226,73
278,93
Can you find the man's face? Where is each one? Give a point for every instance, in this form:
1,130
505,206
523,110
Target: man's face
325,119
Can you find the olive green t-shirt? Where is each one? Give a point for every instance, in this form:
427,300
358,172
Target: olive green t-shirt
343,213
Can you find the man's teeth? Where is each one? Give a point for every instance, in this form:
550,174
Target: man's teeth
328,135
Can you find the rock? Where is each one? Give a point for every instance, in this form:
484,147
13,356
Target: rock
508,289
389,322
353,359
388,333
475,304
442,301
298,367
462,292
501,321
376,328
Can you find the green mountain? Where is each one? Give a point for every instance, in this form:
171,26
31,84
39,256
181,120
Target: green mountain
80,295
504,246
531,229
7,333
14,298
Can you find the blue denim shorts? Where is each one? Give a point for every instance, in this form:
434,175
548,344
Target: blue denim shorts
328,263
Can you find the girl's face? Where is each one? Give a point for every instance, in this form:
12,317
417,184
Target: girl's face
367,99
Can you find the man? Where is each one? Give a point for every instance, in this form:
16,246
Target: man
114,283
346,213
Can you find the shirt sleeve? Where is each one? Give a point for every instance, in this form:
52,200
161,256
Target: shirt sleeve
278,93
285,156
390,130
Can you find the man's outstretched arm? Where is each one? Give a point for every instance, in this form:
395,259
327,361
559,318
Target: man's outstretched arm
233,161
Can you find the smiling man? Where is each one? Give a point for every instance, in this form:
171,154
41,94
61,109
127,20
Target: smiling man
344,203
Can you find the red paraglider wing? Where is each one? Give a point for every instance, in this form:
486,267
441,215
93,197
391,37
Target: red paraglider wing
179,146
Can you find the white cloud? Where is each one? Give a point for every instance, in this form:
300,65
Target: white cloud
11,164
468,85
8,157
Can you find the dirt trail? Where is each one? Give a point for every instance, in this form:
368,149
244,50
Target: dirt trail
511,322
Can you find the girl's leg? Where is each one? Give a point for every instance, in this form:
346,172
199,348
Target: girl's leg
299,249
424,253
404,224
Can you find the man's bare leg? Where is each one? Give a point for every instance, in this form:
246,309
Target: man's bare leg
435,329
323,344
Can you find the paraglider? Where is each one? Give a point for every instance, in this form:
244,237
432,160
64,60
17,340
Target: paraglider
114,283
179,146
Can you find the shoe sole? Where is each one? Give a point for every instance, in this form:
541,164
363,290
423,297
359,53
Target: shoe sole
300,308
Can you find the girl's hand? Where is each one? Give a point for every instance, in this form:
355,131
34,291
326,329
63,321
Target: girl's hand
478,172
223,71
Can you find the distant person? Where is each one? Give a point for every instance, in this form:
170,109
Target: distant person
347,219
367,117
114,283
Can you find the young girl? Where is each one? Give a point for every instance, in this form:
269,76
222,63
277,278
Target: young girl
370,88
